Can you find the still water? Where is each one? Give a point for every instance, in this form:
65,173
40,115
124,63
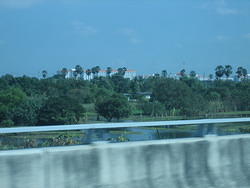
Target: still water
63,138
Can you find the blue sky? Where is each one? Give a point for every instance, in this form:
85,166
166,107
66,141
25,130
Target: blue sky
144,35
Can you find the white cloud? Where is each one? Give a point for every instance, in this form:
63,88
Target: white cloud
221,7
83,28
131,34
128,31
135,41
222,37
226,11
19,3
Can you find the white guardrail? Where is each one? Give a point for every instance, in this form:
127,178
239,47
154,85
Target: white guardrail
118,125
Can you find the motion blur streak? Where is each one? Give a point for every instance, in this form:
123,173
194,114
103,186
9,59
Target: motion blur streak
210,162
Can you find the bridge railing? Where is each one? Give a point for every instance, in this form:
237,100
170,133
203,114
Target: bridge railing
35,136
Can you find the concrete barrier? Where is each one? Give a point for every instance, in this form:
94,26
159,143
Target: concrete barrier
210,162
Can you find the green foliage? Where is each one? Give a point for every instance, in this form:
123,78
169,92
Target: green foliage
56,100
60,110
228,70
192,74
154,108
10,99
177,95
241,96
109,71
219,71
164,73
79,71
121,84
61,140
120,138
183,73
115,106
7,123
27,112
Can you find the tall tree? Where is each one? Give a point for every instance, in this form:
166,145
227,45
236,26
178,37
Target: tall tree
75,74
60,110
93,71
116,106
97,70
239,72
108,71
79,70
88,72
210,76
228,70
64,72
156,75
244,73
44,73
121,71
177,95
192,74
183,73
164,73
219,71
10,99
124,70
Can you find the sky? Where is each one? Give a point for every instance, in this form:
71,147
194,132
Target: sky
144,35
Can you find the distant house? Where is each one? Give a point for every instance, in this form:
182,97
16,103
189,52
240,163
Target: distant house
146,95
128,74
134,96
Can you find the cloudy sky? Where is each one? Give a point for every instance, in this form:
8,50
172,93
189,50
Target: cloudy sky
144,35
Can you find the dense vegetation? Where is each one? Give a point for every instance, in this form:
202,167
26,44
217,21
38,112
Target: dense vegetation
57,100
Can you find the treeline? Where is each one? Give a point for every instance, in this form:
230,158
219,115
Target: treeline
56,100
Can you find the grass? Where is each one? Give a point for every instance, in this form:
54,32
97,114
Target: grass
46,135
235,113
233,127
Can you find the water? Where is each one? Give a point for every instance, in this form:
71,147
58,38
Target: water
27,140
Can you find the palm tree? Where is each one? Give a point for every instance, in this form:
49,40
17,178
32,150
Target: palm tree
183,72
93,71
210,76
228,70
108,71
88,72
219,71
64,72
124,69
239,72
44,73
192,74
75,74
97,70
156,75
79,70
120,71
244,72
164,73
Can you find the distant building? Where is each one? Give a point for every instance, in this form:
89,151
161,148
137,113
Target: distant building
128,74
134,96
70,73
